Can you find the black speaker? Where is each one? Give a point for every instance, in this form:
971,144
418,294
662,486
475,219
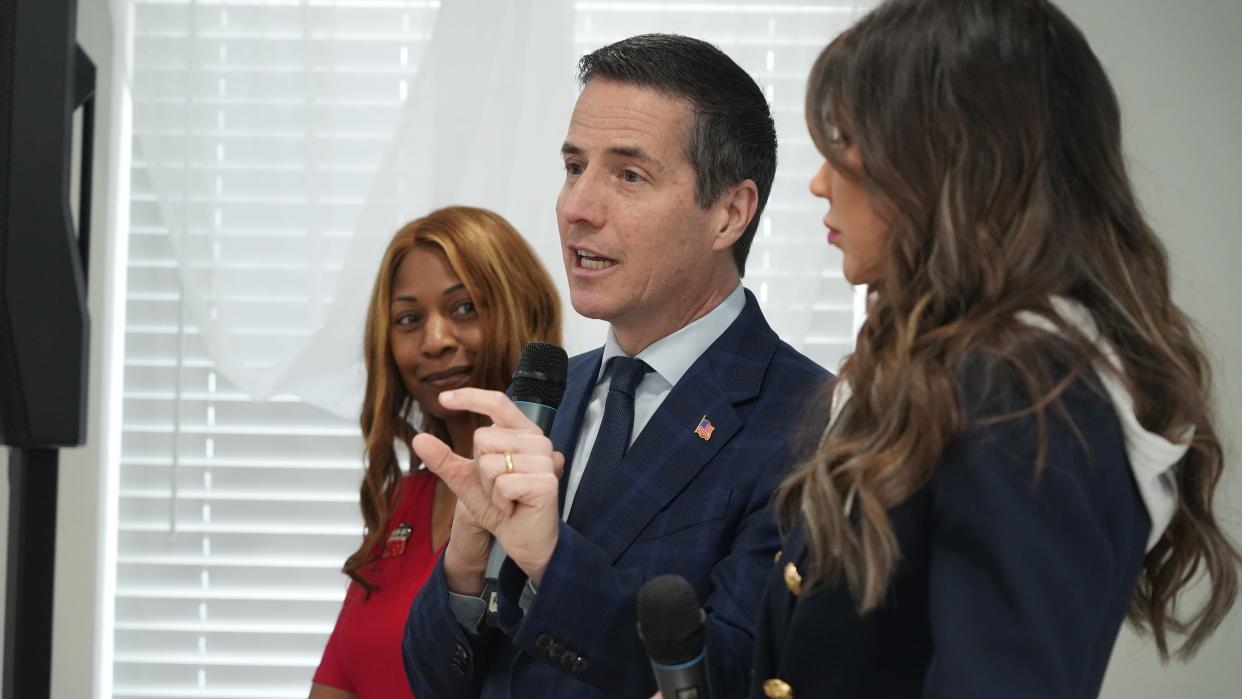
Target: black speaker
44,327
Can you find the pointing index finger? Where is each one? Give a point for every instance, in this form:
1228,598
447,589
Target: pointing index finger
493,404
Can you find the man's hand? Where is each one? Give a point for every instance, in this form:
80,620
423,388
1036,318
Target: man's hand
518,506
465,556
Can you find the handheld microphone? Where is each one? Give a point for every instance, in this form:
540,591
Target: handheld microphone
537,389
670,624
539,382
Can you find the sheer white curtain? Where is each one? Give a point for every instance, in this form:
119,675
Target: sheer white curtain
277,145
285,142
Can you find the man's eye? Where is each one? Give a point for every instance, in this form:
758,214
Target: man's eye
631,176
573,168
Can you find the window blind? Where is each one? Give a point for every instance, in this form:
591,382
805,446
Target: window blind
235,515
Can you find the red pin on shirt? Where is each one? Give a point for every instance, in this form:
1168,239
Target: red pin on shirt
396,540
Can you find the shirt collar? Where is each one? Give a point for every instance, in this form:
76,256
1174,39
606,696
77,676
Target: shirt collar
670,357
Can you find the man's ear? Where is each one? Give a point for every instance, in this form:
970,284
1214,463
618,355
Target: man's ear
736,206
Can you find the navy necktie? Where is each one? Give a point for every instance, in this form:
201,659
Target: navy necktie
612,441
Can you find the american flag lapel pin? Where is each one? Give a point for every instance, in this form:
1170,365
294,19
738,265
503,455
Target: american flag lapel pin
705,429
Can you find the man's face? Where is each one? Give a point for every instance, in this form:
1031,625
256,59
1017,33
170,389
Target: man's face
636,245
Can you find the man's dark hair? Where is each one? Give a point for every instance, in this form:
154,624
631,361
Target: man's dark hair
732,137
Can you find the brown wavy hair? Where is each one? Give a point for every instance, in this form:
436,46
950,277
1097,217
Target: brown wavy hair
517,303
990,141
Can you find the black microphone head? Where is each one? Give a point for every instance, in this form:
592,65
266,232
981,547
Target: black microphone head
540,374
670,621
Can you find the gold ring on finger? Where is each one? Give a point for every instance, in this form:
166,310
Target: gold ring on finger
508,462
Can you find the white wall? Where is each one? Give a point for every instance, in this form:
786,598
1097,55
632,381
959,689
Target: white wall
1177,68
81,531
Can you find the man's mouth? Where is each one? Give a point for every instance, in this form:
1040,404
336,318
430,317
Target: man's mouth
587,260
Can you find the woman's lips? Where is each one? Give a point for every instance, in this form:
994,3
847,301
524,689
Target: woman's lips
449,378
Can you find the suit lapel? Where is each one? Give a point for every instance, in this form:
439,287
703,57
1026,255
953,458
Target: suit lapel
665,457
668,454
568,423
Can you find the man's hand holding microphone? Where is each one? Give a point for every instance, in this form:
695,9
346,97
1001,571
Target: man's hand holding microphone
509,490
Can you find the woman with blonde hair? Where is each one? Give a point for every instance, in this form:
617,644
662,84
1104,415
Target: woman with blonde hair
459,293
1021,451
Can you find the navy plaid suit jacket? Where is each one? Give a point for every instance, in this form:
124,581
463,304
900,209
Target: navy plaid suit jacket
698,508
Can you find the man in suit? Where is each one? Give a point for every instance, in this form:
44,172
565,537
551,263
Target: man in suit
674,434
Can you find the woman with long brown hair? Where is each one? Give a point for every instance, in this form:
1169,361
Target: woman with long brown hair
1021,451
459,292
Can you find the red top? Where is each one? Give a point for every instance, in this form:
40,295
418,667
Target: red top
363,654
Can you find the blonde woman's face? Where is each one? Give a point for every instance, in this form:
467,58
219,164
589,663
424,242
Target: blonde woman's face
435,332
854,225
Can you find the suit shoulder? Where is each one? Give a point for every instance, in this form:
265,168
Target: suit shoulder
795,382
793,363
1079,435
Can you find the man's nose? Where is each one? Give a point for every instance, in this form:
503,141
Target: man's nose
582,201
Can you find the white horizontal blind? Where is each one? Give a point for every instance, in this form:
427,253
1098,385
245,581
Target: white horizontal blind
235,515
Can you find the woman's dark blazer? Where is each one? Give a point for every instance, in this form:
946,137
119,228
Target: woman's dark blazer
1010,585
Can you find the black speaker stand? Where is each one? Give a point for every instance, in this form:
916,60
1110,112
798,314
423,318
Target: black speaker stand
32,559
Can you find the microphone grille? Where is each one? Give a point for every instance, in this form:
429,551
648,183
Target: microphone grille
540,374
670,621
